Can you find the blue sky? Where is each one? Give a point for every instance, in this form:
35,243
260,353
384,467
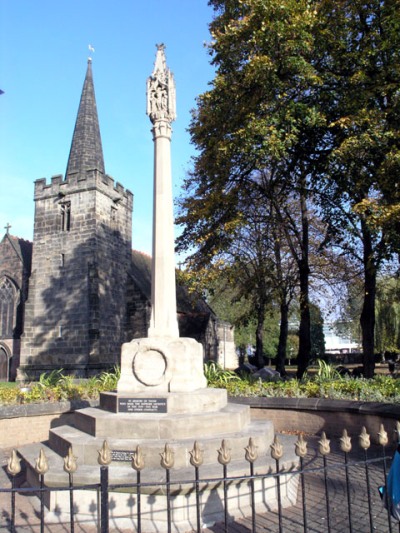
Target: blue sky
43,57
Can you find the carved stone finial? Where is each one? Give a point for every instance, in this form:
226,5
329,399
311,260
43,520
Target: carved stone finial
167,458
324,445
345,442
196,455
41,465
14,464
301,446
104,457
70,464
161,100
224,453
276,449
382,436
251,451
364,439
137,462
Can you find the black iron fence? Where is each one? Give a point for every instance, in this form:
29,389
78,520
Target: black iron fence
337,488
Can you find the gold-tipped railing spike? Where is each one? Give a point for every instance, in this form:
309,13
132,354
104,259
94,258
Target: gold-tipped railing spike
196,455
104,458
224,453
167,457
41,465
137,461
324,445
70,464
251,451
301,446
14,464
345,442
276,449
382,436
364,439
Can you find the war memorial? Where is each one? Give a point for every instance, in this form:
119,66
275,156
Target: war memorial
162,418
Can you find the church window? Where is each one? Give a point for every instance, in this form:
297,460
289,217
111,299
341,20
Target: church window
113,217
7,307
3,364
65,216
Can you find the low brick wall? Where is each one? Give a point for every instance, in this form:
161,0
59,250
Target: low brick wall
314,415
24,424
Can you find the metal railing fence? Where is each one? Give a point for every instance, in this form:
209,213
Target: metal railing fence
336,492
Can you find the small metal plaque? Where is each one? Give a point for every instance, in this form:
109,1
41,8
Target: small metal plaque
142,405
122,456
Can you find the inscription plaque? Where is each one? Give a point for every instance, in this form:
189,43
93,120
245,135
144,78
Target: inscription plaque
142,405
122,456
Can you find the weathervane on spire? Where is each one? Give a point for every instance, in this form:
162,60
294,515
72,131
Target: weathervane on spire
161,99
91,50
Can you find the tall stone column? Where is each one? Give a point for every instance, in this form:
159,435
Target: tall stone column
162,363
161,105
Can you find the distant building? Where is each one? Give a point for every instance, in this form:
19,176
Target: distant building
73,296
338,340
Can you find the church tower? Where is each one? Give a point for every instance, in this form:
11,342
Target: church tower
76,313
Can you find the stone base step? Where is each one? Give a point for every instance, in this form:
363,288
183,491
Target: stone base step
99,423
86,446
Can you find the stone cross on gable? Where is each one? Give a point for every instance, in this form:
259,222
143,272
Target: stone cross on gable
7,228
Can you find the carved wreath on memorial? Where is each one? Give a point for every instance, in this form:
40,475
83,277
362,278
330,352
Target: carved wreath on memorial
149,366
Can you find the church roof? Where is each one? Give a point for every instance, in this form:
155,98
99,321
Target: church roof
21,247
186,303
86,150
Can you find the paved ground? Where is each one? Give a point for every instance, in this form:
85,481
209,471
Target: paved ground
27,515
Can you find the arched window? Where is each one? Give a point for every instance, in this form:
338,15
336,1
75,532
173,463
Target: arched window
8,300
3,364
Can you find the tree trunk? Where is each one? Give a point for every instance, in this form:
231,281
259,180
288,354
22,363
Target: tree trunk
367,318
259,355
303,356
283,335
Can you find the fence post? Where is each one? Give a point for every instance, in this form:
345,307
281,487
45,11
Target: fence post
224,458
104,459
277,453
13,468
196,460
345,446
41,468
250,456
167,462
71,466
301,452
324,450
137,463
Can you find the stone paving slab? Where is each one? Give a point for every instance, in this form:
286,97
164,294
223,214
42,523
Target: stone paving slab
28,517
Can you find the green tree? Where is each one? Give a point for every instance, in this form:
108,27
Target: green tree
357,53
309,90
255,117
388,315
317,333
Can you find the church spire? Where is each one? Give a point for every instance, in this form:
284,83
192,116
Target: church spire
86,151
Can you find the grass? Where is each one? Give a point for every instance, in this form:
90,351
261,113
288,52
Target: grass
8,385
